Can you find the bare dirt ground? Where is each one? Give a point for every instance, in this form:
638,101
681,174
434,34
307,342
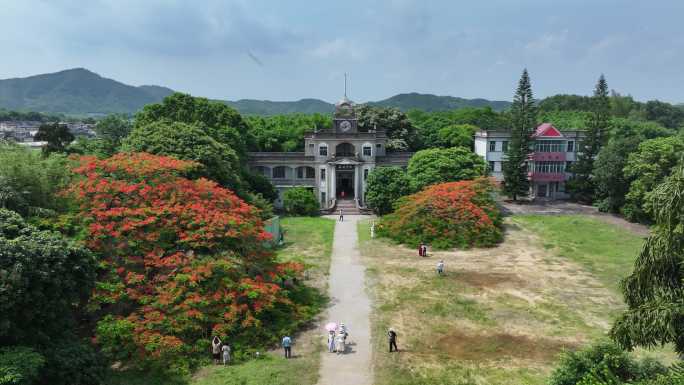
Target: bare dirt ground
562,207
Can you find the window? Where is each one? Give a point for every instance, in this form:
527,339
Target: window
491,166
492,146
504,146
323,150
367,150
306,173
322,174
549,146
571,146
365,174
279,172
549,167
323,202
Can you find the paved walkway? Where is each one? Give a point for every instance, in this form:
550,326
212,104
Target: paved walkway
350,304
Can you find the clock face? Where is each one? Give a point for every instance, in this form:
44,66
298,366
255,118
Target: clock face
345,125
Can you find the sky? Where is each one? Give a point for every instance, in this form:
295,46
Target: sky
291,49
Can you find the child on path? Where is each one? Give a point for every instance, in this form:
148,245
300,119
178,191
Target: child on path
392,336
287,346
440,267
341,216
226,354
216,349
339,343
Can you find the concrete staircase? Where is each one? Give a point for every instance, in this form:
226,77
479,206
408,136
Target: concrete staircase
348,207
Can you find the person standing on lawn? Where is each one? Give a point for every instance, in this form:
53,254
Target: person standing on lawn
287,346
216,349
341,216
420,249
440,267
226,354
424,246
392,336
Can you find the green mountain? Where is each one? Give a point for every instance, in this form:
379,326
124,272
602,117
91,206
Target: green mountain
81,92
76,92
429,102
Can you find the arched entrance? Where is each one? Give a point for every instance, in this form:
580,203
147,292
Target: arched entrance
345,150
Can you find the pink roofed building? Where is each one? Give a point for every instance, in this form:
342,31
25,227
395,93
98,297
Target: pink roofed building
548,165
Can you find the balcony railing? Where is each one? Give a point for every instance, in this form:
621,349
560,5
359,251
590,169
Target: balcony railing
547,176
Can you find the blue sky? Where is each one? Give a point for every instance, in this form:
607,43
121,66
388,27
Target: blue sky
286,50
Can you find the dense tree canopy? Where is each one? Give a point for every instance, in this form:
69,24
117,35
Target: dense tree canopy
28,182
180,260
646,168
188,142
437,165
401,133
385,185
457,135
284,132
43,277
456,214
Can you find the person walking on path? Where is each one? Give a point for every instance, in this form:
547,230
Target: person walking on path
420,249
226,354
424,246
331,341
341,216
216,349
339,343
392,336
440,267
287,346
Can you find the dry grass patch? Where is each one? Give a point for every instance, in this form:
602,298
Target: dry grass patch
500,315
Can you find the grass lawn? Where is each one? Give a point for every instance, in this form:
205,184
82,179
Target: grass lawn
607,251
307,240
500,315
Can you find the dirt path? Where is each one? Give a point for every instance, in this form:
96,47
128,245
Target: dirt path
351,305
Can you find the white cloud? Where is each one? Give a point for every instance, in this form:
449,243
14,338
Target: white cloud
339,48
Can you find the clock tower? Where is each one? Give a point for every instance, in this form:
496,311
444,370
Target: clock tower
344,119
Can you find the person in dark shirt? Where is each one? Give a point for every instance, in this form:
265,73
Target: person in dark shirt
392,335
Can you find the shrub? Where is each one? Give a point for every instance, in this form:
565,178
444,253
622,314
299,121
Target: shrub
439,165
603,363
300,201
19,365
457,214
181,260
385,186
70,361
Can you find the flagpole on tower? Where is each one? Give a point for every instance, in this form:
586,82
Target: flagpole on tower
345,85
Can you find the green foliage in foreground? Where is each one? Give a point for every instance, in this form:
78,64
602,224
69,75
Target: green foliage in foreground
604,364
300,201
654,292
19,365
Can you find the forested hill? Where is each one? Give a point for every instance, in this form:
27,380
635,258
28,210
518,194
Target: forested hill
430,103
79,91
76,92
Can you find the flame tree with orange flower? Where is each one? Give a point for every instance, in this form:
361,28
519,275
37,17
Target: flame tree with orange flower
181,260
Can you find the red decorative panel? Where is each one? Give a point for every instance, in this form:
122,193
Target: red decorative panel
549,156
548,176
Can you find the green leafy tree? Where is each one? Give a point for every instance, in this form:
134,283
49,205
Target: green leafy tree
664,113
457,135
111,131
188,142
646,168
385,185
284,133
437,165
43,277
19,365
218,120
523,119
582,185
401,133
654,292
56,135
300,201
429,124
611,183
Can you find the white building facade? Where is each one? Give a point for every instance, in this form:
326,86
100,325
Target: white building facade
549,163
